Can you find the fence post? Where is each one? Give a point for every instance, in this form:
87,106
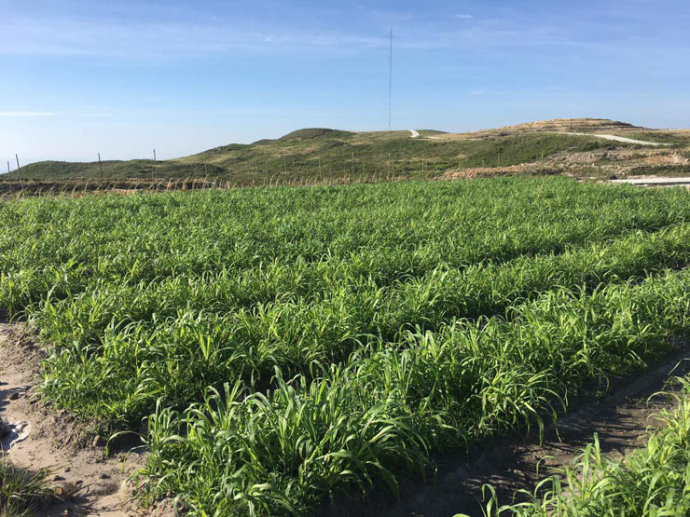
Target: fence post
153,166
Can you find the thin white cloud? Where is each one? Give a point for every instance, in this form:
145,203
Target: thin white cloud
110,38
143,40
22,114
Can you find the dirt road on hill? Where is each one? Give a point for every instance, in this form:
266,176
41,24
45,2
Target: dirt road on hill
616,138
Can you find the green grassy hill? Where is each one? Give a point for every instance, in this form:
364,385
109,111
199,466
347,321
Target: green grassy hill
323,153
315,154
328,153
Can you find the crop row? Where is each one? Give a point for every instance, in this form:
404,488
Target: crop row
176,338
386,232
651,481
382,415
357,329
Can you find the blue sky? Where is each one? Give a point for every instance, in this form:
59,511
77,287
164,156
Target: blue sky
122,78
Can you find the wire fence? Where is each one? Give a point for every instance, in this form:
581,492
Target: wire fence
18,188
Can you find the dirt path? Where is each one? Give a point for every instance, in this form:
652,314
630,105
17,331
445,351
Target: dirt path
616,138
90,483
621,421
658,181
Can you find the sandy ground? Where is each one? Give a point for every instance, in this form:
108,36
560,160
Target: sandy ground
87,481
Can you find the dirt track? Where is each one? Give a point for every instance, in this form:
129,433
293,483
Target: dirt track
616,138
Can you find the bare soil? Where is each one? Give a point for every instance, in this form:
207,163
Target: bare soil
600,163
621,420
587,125
85,480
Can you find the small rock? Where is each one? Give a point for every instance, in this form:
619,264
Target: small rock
67,490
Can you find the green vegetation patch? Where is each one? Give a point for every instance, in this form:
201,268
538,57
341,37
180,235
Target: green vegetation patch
278,346
21,493
514,150
322,154
147,169
652,481
661,170
662,137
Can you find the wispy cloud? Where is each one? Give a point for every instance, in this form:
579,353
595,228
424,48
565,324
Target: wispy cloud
112,38
142,39
56,114
25,114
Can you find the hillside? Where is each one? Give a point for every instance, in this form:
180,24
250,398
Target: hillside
588,125
564,146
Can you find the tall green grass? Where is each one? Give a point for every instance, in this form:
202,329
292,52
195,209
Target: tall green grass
187,291
278,346
200,338
21,493
381,416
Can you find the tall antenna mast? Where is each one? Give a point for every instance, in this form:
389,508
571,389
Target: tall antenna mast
390,83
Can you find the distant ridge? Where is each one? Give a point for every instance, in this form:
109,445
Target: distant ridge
315,132
570,124
560,146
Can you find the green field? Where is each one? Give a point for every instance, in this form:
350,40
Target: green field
276,347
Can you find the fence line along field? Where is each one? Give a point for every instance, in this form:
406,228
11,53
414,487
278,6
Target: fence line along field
278,347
